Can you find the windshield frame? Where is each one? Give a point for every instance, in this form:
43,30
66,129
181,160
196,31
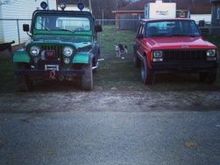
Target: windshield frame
196,34
71,14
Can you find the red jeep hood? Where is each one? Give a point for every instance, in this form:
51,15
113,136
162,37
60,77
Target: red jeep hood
178,43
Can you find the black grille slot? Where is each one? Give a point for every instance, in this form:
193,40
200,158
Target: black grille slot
184,55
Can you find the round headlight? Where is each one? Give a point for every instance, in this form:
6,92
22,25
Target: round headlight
34,51
211,53
67,51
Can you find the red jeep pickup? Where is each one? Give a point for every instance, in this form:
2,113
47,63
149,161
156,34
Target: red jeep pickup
171,45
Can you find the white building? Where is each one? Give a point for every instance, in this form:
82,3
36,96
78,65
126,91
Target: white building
10,10
206,17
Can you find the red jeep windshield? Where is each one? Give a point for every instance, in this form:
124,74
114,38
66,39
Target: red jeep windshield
171,28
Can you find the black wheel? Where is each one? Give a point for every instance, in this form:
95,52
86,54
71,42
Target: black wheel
136,60
208,77
87,78
146,73
23,82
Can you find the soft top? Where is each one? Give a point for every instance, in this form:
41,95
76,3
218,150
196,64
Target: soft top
59,12
171,19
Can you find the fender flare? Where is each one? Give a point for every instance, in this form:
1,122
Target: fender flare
21,56
81,58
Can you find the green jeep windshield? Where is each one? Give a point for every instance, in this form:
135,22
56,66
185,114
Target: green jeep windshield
62,23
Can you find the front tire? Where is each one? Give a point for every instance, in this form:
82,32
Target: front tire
136,60
87,78
146,73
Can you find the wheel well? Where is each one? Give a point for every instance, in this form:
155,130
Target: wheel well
19,64
147,60
145,56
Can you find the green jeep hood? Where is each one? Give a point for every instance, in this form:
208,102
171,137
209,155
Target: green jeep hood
77,42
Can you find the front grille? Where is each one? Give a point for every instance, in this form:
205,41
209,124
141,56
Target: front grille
184,55
56,48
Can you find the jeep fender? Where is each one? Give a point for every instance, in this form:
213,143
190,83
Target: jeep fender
81,58
21,56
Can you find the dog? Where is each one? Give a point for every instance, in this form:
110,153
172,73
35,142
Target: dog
121,50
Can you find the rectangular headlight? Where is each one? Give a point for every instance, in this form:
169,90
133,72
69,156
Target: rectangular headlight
211,53
157,56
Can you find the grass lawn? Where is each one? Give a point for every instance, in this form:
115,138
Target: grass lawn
114,72
110,37
215,40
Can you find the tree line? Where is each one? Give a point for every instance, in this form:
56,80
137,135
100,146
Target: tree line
101,8
104,8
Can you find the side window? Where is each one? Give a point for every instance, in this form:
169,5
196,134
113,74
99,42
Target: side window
140,30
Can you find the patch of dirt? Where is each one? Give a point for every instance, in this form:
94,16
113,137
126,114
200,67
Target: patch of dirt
191,144
104,101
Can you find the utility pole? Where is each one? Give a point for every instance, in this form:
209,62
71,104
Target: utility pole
103,16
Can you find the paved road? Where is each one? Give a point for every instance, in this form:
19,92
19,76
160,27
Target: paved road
110,138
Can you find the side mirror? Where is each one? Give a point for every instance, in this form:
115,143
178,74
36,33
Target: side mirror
204,31
98,28
26,28
201,23
140,36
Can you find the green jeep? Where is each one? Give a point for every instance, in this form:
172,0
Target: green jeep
62,46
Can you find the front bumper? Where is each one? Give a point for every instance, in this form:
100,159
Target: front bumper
191,67
50,74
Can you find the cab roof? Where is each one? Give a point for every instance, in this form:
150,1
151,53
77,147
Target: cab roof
166,19
60,12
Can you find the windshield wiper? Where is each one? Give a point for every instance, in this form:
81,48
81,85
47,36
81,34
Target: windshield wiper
66,30
193,35
72,31
178,35
188,35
